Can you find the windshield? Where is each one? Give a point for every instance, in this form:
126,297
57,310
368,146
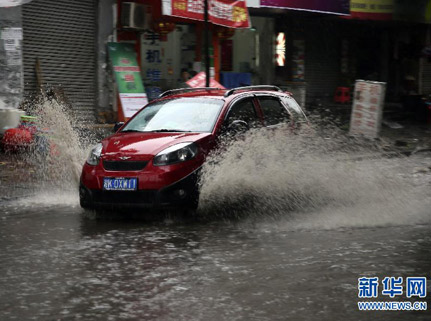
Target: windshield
177,115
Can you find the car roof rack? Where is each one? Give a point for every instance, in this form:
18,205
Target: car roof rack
185,90
258,87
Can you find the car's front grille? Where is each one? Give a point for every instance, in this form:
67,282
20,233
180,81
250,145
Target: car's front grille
124,197
124,165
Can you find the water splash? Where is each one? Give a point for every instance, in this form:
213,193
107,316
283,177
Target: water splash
318,178
61,147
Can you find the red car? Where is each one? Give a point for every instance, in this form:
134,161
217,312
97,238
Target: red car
153,160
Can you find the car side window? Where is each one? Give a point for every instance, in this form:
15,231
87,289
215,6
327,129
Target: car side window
295,109
273,111
243,110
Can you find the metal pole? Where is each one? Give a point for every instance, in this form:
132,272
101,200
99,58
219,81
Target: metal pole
206,45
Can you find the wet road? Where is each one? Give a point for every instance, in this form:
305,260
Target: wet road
57,264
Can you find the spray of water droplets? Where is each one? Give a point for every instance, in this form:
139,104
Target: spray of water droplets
61,146
314,178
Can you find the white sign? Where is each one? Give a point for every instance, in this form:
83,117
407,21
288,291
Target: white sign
368,100
132,103
11,33
11,44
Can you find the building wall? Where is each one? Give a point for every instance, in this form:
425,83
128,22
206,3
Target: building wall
266,37
105,25
11,76
244,50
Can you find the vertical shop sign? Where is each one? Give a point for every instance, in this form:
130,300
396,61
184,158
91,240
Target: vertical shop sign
128,77
153,60
366,118
12,38
280,49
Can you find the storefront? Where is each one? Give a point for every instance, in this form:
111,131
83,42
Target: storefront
304,56
170,41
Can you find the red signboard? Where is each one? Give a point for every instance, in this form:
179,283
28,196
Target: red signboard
228,13
198,81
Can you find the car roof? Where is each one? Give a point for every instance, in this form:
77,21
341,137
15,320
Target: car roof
219,93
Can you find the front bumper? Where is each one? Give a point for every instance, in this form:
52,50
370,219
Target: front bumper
183,193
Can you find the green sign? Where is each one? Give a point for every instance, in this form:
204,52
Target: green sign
126,68
128,77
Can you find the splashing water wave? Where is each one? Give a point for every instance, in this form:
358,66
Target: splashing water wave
60,152
311,180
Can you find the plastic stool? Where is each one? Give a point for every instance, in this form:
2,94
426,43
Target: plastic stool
342,95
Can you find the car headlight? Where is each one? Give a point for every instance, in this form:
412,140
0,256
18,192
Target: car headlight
175,154
94,157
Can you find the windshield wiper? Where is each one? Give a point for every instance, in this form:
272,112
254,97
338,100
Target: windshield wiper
131,131
165,130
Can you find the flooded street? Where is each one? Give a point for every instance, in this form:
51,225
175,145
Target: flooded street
56,264
286,226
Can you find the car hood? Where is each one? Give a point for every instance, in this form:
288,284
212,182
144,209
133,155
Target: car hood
145,145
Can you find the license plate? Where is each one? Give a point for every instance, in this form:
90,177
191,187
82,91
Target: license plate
120,184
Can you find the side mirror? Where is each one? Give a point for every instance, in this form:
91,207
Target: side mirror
118,125
238,126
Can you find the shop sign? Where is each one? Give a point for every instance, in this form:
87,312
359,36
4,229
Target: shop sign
328,6
366,117
128,77
372,9
153,62
280,49
199,81
228,13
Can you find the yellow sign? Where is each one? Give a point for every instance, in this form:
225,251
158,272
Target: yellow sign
372,6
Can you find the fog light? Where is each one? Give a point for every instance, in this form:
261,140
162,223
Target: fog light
180,193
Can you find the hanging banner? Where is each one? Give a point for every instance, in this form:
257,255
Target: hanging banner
372,9
340,7
128,77
228,13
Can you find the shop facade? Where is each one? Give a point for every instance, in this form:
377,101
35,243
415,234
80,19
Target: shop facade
317,51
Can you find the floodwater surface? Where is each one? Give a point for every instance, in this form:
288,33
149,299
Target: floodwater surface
287,224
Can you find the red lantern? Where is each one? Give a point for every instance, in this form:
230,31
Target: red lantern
163,28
